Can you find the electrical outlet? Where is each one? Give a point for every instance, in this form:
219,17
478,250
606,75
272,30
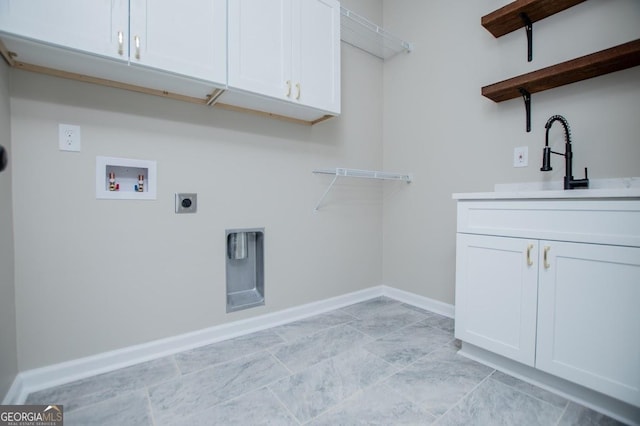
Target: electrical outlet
521,156
186,203
69,137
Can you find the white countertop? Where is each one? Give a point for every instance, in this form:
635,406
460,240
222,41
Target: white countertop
599,188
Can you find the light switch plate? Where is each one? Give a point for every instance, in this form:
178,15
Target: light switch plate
69,137
521,156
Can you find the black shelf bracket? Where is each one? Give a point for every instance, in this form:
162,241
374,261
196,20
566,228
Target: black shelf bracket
526,96
528,26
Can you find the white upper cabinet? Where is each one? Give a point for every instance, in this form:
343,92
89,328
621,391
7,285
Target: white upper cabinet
280,58
98,26
187,38
287,50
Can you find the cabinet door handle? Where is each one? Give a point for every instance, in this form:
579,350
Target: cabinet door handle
529,261
298,95
288,83
120,43
136,40
546,257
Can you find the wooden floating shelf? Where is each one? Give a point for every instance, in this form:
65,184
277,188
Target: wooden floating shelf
606,61
509,18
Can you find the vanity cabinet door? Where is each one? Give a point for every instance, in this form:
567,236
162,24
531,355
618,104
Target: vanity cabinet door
588,316
496,294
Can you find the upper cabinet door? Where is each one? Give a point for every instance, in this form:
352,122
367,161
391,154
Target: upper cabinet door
287,49
187,38
260,47
316,54
97,26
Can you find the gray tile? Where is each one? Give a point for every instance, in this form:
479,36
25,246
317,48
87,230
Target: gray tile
376,406
317,389
310,350
439,380
259,407
95,389
131,408
305,327
387,320
577,415
370,307
408,344
417,309
204,388
73,402
440,321
494,403
530,389
227,350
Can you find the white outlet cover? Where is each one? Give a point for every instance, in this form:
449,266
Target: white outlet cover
69,137
521,156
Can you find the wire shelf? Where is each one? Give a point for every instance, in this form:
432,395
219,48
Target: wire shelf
365,35
357,173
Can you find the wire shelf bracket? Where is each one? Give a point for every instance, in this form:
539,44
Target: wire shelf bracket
357,173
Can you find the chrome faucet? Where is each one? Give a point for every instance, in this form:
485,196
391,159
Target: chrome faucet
569,181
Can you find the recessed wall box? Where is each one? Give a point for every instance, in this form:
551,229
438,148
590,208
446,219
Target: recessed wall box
125,179
245,268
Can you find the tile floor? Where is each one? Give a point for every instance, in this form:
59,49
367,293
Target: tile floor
378,362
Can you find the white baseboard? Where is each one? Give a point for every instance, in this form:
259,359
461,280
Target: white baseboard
37,379
420,301
14,392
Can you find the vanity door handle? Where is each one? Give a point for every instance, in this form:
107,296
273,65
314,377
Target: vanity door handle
298,95
529,261
546,257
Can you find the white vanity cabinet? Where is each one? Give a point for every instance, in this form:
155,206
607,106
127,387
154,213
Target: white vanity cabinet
287,50
554,284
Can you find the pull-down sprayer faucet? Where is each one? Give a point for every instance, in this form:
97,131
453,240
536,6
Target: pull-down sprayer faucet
569,181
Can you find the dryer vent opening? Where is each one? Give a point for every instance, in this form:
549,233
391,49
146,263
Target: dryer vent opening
245,268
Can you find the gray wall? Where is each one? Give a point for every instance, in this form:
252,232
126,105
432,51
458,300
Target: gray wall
8,349
106,274
438,126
